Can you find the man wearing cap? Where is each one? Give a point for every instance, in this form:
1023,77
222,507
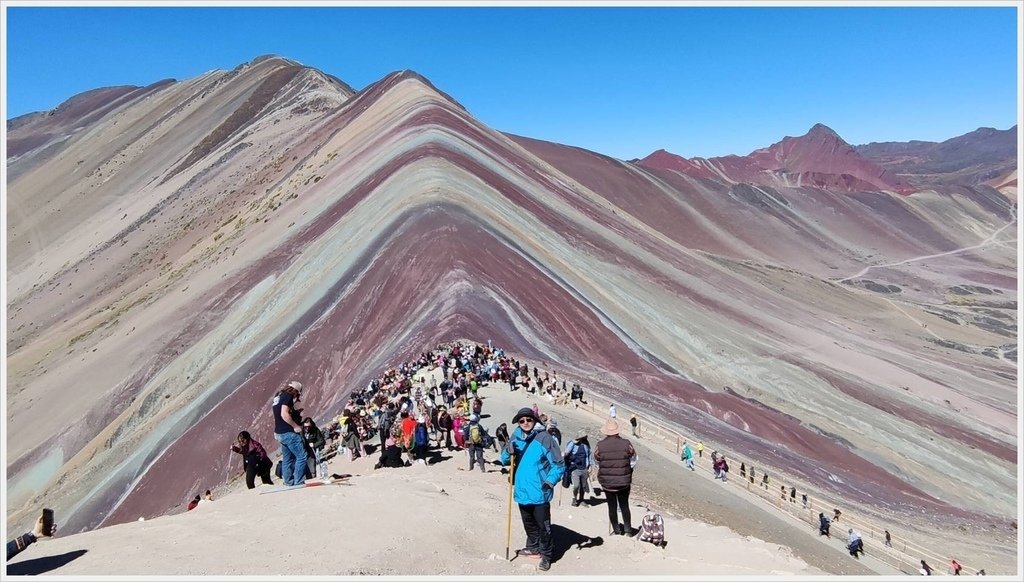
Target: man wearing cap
615,458
538,469
288,431
577,460
475,449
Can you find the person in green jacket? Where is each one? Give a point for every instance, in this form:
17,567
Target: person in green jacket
687,456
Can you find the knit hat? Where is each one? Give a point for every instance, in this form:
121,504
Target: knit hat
610,427
524,413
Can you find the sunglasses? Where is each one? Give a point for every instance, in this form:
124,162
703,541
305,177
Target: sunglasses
526,421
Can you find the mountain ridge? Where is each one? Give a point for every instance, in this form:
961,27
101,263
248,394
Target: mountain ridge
325,229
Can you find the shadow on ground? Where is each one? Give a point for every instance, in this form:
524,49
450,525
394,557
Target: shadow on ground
44,564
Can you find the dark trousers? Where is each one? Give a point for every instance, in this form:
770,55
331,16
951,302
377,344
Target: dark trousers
263,470
476,456
447,438
619,500
537,523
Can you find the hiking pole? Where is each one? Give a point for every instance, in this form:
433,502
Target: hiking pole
560,496
508,528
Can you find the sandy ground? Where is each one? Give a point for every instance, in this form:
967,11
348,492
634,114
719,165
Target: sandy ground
443,520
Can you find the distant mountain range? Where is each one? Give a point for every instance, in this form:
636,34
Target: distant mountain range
822,159
177,252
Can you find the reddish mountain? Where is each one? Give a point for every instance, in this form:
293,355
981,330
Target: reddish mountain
817,159
970,159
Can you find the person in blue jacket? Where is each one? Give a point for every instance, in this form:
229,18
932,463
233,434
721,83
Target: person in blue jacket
538,470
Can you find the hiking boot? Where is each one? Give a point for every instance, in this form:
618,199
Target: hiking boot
545,564
630,532
527,553
575,502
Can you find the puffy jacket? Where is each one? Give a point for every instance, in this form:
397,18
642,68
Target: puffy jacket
613,468
540,463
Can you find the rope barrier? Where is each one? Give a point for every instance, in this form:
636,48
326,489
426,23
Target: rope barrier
905,560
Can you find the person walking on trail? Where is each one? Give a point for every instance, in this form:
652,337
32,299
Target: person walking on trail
288,432
577,461
633,423
823,525
538,470
700,449
615,458
555,432
477,440
255,460
855,545
926,570
688,456
611,410
888,539
956,567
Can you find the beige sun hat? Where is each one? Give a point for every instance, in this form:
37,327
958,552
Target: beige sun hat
294,384
610,427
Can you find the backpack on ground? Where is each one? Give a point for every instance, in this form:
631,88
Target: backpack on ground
652,529
476,435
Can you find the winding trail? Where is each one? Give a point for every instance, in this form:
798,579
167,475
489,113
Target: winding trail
984,243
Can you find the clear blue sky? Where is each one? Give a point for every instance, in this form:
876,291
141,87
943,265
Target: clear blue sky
697,81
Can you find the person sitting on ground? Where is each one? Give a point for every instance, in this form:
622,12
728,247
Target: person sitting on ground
194,503
15,546
255,460
391,456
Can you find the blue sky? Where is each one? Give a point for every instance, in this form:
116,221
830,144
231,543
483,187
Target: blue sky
697,81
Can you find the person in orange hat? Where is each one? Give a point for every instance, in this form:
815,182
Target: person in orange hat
616,457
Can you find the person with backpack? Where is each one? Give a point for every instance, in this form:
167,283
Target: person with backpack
577,462
421,441
633,423
288,431
477,440
615,459
823,525
385,422
255,460
537,471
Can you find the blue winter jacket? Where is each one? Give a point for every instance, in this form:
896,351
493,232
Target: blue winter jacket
541,463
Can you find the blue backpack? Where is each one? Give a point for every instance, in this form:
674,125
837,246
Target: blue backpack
420,435
578,457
